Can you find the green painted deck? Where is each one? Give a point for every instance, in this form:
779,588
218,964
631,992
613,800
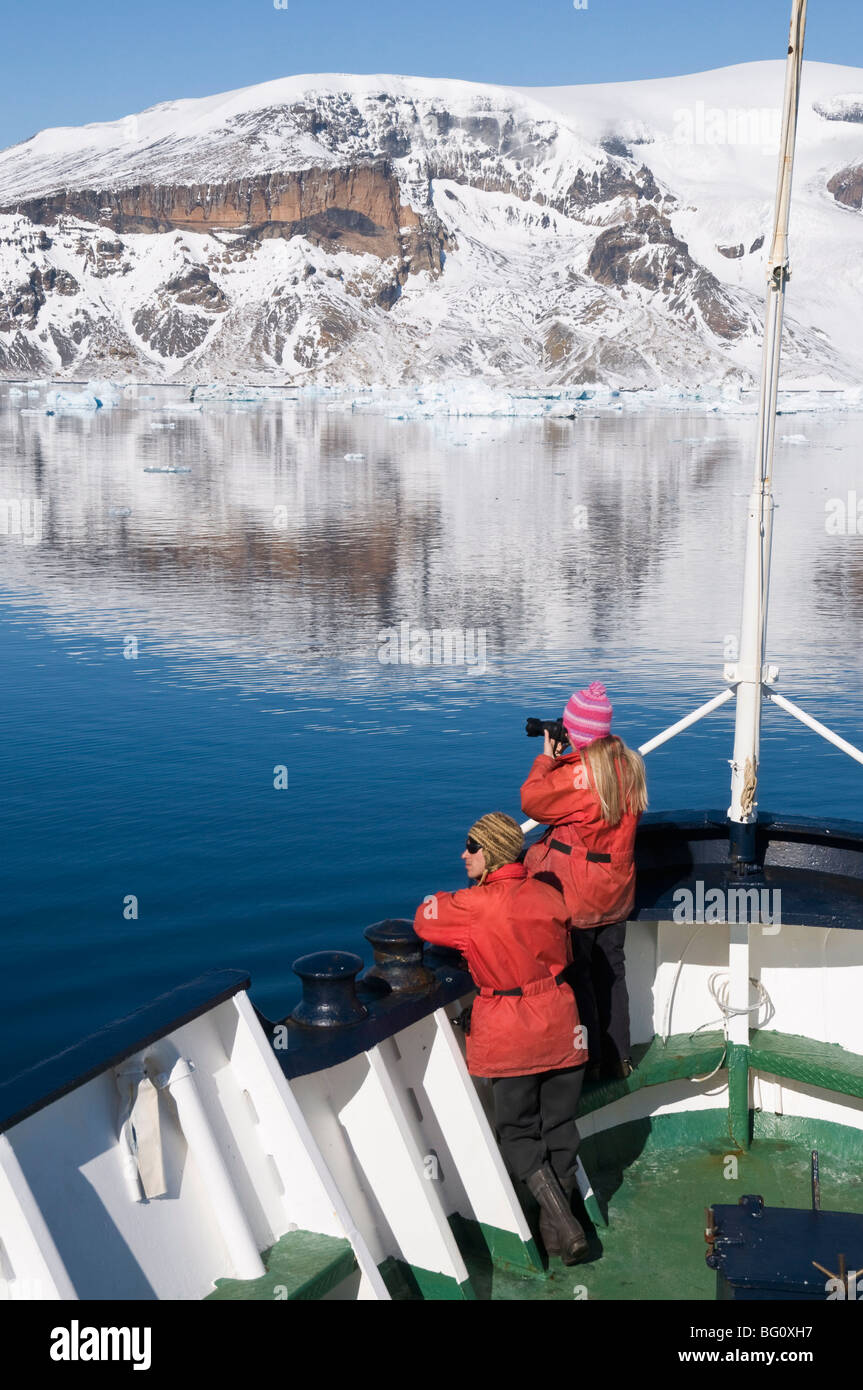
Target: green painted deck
678,1059
801,1059
657,1178
301,1266
782,1054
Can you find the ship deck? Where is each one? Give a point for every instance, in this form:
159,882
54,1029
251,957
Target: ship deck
655,1185
654,1180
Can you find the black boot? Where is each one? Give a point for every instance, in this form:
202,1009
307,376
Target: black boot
547,1229
561,1234
549,1234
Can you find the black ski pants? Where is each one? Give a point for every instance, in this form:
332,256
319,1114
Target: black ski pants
599,981
535,1120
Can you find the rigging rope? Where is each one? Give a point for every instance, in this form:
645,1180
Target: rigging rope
719,985
750,783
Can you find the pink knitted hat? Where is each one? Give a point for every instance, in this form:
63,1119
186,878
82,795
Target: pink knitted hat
588,715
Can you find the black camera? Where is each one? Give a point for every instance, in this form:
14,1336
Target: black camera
555,728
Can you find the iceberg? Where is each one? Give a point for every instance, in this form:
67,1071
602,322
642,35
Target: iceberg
105,392
72,400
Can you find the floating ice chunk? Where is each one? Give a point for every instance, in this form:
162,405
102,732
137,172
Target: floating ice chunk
185,406
354,458
594,391
119,511
163,424
105,392
793,439
73,400
15,393
167,470
34,412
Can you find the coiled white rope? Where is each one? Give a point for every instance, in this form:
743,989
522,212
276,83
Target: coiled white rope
719,985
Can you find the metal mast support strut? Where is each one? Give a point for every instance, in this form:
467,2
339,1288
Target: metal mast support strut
749,675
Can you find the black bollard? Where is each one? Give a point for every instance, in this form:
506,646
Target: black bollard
398,958
329,990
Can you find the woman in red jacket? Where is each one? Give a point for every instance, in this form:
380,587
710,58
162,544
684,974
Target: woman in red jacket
592,800
525,1032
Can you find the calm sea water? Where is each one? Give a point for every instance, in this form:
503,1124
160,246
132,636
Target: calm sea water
174,639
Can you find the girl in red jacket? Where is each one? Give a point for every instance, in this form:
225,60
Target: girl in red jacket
592,799
525,1032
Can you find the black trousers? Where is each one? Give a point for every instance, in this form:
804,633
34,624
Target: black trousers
535,1119
599,981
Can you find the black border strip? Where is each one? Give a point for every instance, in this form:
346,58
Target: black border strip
32,1090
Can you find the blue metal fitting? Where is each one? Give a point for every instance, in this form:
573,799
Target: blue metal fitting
329,990
398,958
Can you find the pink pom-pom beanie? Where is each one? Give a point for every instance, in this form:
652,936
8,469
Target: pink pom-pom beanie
588,715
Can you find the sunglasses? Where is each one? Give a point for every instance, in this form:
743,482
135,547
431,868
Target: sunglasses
472,846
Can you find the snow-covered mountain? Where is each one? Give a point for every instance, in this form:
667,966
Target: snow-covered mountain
397,230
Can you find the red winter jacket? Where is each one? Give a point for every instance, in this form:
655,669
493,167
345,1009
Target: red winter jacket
560,794
513,931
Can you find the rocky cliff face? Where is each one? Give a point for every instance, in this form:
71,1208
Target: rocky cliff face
847,186
360,208
367,229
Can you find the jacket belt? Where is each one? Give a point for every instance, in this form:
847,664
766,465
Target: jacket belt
593,856
554,980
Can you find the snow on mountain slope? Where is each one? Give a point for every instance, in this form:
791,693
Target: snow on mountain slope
705,139
393,229
294,123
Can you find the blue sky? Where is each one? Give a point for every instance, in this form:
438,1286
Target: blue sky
69,63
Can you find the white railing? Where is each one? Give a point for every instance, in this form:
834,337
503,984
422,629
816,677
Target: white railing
815,725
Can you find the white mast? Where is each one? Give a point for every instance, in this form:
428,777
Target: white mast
750,673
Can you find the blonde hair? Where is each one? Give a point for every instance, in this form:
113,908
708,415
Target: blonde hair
617,773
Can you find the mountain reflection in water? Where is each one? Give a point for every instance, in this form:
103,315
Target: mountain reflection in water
257,590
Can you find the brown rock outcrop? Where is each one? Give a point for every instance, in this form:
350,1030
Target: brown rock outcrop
647,252
847,186
355,209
